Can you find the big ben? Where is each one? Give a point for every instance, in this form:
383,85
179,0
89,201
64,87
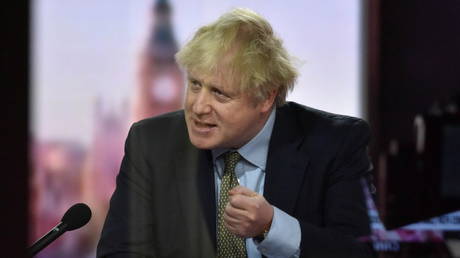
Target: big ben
161,83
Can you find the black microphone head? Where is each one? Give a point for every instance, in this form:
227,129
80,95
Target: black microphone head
76,216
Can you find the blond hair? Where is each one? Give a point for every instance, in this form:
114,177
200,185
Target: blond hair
243,43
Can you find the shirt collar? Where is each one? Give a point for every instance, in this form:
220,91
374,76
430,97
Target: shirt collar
255,151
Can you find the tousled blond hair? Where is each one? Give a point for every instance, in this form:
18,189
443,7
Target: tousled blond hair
242,44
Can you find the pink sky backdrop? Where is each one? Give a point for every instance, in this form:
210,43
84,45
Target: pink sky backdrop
83,49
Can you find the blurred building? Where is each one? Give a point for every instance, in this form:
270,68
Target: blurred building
101,166
55,185
67,173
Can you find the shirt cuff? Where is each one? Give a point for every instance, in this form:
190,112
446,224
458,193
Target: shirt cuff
283,238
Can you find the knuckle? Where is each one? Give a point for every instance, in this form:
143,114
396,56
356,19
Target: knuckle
252,218
236,198
227,210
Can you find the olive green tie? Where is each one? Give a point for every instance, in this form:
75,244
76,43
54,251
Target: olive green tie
228,245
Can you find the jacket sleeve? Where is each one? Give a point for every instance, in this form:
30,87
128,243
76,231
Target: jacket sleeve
345,216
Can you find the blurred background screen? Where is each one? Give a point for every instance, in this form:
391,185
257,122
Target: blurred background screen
99,66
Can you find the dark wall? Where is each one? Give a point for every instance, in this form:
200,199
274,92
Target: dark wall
420,61
14,77
413,63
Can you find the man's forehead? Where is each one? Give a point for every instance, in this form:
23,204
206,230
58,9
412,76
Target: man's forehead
219,79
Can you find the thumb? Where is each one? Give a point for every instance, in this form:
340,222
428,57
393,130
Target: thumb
242,190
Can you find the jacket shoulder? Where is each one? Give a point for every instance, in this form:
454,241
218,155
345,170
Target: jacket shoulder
167,129
164,120
323,134
315,119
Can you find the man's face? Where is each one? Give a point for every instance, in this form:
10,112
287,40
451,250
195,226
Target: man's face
219,116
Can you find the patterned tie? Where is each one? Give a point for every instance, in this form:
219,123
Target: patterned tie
228,245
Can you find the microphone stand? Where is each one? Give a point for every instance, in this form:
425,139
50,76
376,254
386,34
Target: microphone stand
45,240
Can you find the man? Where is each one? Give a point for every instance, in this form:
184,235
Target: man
239,172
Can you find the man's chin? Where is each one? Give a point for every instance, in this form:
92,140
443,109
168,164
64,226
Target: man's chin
204,144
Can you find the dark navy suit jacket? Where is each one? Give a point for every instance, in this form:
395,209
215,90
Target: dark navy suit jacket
164,203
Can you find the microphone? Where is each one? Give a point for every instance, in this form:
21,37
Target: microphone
75,217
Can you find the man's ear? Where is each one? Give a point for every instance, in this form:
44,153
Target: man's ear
269,101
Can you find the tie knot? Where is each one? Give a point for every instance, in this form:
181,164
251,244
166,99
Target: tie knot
230,159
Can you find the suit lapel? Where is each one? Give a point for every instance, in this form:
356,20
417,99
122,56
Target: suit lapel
206,190
286,162
195,167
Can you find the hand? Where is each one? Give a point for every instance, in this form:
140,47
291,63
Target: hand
247,213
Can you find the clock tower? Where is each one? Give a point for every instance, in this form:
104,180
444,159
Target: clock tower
160,81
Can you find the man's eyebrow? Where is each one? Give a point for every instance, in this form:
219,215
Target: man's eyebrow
215,86
191,78
227,92
212,86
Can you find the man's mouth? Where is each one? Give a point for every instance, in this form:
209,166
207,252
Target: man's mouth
203,127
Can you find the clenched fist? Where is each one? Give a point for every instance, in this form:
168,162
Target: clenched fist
247,213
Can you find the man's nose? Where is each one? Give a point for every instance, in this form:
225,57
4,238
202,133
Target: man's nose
202,103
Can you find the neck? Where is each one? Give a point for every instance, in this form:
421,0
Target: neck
258,127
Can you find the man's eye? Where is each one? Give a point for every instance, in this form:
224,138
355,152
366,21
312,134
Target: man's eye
194,85
217,92
221,96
